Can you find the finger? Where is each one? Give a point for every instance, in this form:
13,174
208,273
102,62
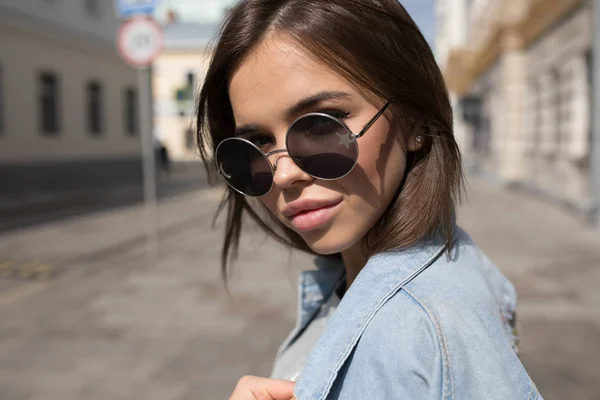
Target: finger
280,390
255,388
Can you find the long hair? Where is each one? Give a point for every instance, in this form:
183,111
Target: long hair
377,46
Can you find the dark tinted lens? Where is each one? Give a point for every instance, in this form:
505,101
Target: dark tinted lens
244,167
321,146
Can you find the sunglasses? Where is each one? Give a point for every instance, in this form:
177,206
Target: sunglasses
319,144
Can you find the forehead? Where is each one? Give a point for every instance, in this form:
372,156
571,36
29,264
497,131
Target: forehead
276,75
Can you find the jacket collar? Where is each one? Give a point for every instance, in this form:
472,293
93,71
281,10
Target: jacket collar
383,276
314,288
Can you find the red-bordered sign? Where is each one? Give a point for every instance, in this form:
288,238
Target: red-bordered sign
139,41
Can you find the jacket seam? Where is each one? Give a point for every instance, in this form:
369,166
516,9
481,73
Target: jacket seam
323,393
534,390
443,343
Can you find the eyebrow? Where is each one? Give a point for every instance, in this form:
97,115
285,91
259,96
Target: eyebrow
298,108
314,100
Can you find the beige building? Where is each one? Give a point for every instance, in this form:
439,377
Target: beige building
68,111
178,74
451,33
523,71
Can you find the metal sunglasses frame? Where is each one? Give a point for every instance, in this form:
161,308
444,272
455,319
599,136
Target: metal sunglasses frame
353,138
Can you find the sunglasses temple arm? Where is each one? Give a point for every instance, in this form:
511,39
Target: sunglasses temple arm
372,121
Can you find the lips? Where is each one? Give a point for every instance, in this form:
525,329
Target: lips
304,206
310,214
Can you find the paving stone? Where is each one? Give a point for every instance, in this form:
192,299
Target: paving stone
122,326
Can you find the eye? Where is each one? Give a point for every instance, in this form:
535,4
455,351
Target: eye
339,114
263,142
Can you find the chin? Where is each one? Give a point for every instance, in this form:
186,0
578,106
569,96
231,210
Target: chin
328,243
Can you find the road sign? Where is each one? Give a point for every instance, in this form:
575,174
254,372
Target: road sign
139,41
130,8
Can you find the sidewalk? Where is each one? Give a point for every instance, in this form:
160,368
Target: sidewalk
120,326
124,327
554,261
75,240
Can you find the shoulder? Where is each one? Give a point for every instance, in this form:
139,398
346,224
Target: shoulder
463,288
399,356
405,323
442,334
400,348
419,324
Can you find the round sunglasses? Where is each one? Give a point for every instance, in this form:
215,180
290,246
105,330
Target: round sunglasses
319,144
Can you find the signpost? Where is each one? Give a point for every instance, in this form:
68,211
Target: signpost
130,8
139,40
595,139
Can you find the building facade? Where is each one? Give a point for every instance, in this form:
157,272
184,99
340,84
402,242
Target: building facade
451,33
524,69
178,74
68,104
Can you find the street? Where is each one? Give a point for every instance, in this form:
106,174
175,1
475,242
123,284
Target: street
95,318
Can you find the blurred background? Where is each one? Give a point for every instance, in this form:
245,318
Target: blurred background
109,264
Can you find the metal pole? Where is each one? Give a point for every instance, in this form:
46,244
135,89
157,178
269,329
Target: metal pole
595,139
148,164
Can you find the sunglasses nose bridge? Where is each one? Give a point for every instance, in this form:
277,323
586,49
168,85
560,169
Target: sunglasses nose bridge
286,173
270,154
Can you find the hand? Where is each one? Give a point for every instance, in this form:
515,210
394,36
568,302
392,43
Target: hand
255,388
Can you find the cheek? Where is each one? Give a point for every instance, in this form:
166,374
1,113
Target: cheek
379,171
270,200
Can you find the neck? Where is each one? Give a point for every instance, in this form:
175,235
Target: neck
354,261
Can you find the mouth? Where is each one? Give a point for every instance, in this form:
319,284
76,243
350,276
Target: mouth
315,216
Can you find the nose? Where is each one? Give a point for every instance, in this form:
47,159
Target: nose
287,173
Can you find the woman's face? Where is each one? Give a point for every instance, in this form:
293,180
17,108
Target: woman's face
331,215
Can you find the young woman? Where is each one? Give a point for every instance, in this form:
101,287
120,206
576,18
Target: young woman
331,124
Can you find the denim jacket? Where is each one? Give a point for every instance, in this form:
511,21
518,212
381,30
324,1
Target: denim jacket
421,323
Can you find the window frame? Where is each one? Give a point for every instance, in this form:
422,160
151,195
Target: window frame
49,106
131,120
2,103
94,92
92,8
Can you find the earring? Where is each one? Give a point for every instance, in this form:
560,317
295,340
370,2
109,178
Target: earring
419,139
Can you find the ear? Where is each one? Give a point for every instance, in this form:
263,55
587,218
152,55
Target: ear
415,139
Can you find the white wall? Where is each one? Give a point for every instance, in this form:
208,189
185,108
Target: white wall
203,11
559,145
451,33
169,74
77,52
452,27
67,15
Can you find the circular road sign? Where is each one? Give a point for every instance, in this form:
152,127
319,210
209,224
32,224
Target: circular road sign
139,41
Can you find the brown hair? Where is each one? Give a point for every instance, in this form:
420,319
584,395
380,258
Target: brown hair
376,45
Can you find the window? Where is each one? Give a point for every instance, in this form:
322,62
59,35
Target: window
130,111
191,78
92,7
49,99
1,100
94,108
555,106
589,58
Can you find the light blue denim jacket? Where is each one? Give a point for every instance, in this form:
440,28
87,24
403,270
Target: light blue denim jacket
415,324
